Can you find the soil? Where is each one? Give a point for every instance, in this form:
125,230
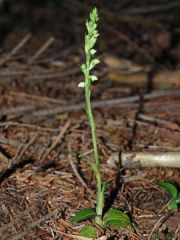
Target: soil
45,139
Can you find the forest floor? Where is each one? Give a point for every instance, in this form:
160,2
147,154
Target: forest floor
45,137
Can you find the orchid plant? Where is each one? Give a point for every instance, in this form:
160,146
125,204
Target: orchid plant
113,217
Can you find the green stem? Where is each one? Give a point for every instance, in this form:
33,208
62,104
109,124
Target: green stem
100,191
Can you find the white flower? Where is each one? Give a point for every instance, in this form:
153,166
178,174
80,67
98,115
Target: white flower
93,51
93,78
81,84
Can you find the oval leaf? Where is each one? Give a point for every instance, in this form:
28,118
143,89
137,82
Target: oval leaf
88,231
117,218
178,198
83,214
172,206
170,188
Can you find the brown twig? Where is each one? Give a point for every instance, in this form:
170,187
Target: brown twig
42,49
158,224
22,148
57,141
132,44
74,168
38,98
153,9
16,110
72,71
26,125
21,151
37,148
119,101
16,48
18,219
35,223
159,122
177,233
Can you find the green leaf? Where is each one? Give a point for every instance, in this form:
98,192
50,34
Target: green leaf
117,218
94,14
170,188
92,41
172,205
103,187
178,198
88,231
83,214
88,26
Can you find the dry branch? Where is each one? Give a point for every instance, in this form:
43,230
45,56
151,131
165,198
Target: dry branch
111,102
22,149
35,224
42,49
57,141
164,79
16,48
145,159
153,9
